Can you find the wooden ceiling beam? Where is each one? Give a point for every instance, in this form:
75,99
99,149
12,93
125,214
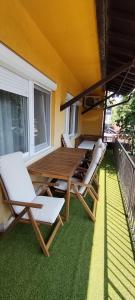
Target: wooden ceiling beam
116,36
120,103
115,88
120,51
122,16
129,78
131,85
97,85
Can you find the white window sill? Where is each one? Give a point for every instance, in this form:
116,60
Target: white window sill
38,155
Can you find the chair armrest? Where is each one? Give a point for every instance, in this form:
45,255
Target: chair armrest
27,204
47,184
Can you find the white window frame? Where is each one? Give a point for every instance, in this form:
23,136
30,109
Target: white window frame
17,65
67,117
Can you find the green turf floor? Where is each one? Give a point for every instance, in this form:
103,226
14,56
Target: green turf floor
112,270
25,273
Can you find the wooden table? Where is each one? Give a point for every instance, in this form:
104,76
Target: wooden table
59,164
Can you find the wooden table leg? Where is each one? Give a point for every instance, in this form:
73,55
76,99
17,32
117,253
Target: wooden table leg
68,198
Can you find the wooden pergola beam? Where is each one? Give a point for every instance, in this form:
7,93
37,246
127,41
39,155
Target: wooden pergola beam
116,36
97,85
121,16
120,103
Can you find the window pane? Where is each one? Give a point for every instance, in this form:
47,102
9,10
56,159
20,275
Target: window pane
13,123
71,119
41,118
76,119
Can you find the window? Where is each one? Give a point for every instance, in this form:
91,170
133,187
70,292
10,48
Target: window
25,101
13,123
41,118
72,119
15,117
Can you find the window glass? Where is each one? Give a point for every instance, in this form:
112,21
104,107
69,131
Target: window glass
72,120
41,118
76,119
13,123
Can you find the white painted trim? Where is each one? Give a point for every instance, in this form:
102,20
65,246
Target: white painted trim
31,118
14,63
37,156
68,96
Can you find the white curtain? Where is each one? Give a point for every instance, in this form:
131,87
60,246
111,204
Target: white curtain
13,123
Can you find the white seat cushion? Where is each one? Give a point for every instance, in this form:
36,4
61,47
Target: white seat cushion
50,210
62,184
87,145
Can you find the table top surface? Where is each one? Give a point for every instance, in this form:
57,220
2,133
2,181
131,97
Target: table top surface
60,163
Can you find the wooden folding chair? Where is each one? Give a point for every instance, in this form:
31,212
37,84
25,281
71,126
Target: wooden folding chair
24,204
81,188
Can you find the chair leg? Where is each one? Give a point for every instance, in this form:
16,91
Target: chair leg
17,219
49,193
94,199
90,191
86,207
38,234
58,224
96,180
60,219
94,192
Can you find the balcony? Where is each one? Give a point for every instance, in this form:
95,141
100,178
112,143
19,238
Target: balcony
87,261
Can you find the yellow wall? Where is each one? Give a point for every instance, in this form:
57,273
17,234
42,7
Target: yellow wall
92,122
20,33
71,27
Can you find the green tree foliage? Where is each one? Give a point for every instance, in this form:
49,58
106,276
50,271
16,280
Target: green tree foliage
124,115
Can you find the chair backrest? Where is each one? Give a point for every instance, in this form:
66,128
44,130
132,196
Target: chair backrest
66,140
97,145
88,176
16,179
97,155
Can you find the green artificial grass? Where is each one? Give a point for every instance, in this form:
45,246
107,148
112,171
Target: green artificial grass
25,273
112,272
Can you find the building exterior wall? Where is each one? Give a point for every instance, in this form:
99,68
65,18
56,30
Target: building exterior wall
20,33
92,122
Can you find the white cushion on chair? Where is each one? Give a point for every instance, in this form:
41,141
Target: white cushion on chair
67,140
86,144
16,179
88,176
62,184
50,210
